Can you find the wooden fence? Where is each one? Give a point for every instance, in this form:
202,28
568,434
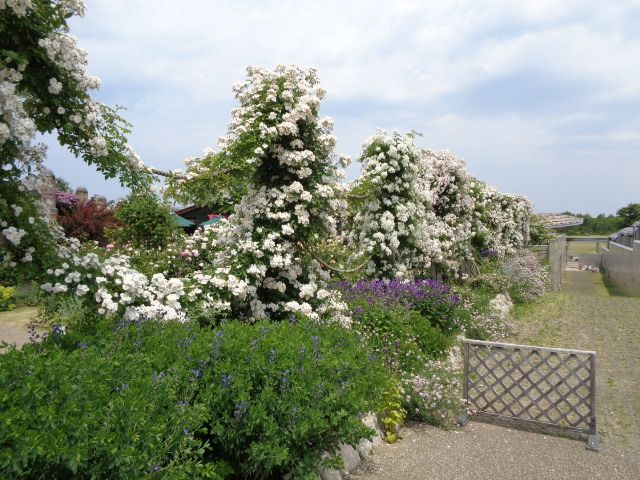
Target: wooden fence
539,386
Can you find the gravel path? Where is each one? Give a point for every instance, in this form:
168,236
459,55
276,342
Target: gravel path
14,325
583,315
482,451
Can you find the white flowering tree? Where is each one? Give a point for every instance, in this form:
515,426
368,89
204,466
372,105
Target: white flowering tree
414,209
392,223
282,149
502,220
449,182
44,88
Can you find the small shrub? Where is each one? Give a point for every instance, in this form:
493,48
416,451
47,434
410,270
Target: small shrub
27,294
178,401
71,311
433,395
404,338
442,314
526,279
87,221
7,298
144,222
392,413
115,406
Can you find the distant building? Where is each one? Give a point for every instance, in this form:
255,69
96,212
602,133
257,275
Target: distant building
200,216
624,236
560,220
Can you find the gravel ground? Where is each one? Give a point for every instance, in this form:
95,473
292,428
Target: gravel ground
482,451
14,325
584,315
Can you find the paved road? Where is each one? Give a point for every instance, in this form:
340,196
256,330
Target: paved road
584,315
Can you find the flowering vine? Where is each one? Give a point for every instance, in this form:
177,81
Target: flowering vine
390,224
285,153
44,87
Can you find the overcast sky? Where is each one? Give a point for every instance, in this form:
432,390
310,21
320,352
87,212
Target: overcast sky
539,97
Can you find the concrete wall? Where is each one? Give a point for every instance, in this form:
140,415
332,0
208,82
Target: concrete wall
622,265
589,259
540,251
557,260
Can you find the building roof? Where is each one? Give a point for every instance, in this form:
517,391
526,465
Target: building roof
560,220
211,221
625,231
182,222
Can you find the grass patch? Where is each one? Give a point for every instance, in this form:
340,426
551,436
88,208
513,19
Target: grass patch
537,321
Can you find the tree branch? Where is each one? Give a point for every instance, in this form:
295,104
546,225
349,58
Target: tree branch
326,265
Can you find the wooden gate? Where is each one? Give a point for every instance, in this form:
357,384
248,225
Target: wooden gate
542,386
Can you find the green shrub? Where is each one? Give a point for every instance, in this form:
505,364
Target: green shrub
281,395
444,315
177,401
403,337
144,221
392,413
118,406
71,311
27,294
6,298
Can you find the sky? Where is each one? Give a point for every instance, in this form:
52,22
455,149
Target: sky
540,97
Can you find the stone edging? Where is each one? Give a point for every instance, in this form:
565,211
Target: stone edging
352,457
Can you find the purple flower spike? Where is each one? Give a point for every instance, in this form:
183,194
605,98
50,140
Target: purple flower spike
402,293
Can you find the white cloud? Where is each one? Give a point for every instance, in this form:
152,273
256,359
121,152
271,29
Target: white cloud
405,64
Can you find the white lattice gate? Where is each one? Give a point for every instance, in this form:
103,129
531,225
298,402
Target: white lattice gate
538,385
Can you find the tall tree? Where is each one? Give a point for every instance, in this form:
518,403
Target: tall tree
629,214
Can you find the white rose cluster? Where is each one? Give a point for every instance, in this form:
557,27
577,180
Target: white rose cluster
114,287
290,200
501,221
13,234
21,7
392,223
424,209
15,123
446,176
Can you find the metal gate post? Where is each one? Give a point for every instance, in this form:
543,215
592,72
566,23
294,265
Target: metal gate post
464,416
593,440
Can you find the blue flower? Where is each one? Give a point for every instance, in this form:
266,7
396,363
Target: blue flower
226,381
58,330
240,410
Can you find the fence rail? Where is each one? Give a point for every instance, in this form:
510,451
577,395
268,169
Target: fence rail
537,385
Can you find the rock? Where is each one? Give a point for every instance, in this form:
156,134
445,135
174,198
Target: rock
330,475
364,448
371,421
377,440
350,457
